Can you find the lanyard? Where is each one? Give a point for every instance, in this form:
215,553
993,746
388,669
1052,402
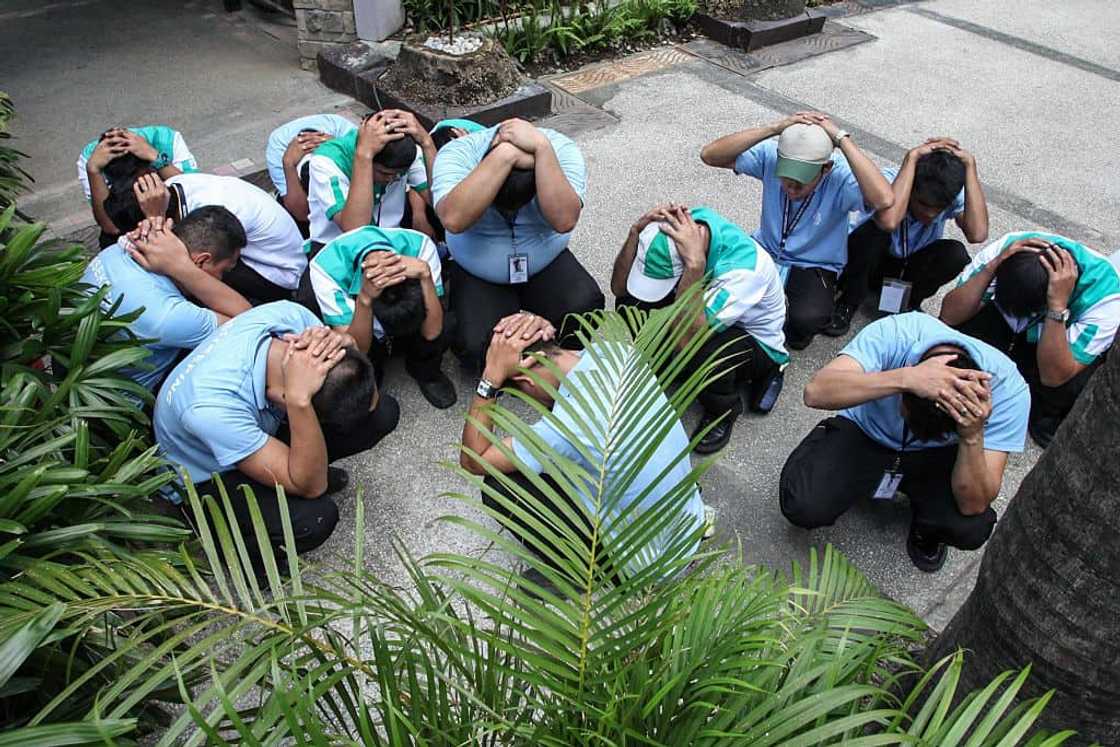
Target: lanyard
378,193
907,439
789,225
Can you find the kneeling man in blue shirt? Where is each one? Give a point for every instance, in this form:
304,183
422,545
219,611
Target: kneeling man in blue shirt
269,401
925,411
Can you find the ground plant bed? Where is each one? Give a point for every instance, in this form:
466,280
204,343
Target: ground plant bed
751,24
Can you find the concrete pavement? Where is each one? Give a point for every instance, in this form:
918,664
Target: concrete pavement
1029,86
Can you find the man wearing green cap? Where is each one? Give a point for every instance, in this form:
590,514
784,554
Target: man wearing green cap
669,250
807,193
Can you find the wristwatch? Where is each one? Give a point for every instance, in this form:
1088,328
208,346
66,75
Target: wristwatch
1058,316
486,390
840,136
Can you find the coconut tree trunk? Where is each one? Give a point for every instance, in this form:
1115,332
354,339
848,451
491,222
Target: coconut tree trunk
1049,587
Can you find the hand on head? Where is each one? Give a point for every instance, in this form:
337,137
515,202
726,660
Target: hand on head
375,133
303,144
381,270
152,195
657,214
310,356
512,335
399,120
950,387
156,248
1063,272
687,235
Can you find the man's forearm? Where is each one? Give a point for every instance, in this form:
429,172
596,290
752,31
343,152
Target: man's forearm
307,453
361,325
169,171
211,292
889,219
1056,364
465,204
974,220
559,203
722,153
692,276
622,264
473,439
295,199
965,301
838,389
358,210
875,188
974,486
98,191
433,310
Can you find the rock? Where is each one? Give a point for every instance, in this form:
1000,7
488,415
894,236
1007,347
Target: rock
462,44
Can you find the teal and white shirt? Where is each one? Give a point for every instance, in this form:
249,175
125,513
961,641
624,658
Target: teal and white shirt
336,271
1094,306
330,168
744,288
169,144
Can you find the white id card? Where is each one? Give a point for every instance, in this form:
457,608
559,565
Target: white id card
895,296
888,486
518,268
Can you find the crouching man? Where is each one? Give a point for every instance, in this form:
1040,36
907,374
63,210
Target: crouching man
268,401
925,411
516,356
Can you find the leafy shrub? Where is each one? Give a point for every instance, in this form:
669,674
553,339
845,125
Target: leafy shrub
13,179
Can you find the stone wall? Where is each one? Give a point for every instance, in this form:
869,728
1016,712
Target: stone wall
323,24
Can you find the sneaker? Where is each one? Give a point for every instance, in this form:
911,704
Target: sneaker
927,555
709,522
718,436
798,343
439,392
841,320
764,395
337,480
1042,430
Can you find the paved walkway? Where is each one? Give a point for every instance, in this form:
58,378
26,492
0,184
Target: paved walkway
1029,86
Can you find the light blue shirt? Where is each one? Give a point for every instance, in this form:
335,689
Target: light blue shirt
599,373
820,236
166,316
901,340
278,141
918,235
484,249
213,410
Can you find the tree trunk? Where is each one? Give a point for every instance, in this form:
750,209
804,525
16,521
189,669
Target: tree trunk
1048,593
772,10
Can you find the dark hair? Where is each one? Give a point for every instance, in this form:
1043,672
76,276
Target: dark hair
938,178
305,176
211,229
125,166
443,136
926,421
549,348
400,308
1021,283
517,191
397,155
122,206
347,392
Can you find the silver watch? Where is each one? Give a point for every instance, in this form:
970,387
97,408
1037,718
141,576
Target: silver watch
1058,316
486,390
840,136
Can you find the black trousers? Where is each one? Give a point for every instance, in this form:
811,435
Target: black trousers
313,519
578,524
810,292
255,287
870,260
749,365
562,288
837,464
1049,404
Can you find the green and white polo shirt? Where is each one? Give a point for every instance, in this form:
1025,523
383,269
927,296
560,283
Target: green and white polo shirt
172,150
330,168
336,271
1094,306
743,287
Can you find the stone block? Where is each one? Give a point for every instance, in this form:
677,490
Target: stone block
340,65
749,35
335,5
530,101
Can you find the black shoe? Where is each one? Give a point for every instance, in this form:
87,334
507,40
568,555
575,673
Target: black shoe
337,480
841,320
439,392
927,555
1042,430
798,343
718,436
764,393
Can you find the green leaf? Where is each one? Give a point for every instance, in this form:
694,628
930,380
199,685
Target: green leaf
21,644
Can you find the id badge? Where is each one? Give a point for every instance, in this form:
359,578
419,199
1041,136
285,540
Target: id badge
888,486
518,268
895,296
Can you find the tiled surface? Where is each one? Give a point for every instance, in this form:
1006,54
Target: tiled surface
619,70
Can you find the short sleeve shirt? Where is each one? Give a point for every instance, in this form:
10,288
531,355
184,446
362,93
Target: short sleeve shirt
485,248
274,245
170,146
584,442
819,237
282,136
330,169
900,341
1094,306
336,271
166,318
912,235
212,411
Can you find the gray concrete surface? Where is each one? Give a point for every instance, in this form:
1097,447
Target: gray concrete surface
1034,99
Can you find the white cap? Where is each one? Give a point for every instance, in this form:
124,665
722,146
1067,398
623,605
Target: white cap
802,150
